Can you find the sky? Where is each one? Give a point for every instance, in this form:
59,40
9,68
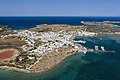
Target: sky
59,7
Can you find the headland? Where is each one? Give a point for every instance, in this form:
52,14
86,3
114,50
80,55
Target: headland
41,48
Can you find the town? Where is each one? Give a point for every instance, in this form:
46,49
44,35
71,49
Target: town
41,48
38,44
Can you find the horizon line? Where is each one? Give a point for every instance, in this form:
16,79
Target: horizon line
59,16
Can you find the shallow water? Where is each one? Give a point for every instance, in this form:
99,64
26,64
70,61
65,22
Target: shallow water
92,66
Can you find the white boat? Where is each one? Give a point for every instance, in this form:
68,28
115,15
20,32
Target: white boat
96,47
103,49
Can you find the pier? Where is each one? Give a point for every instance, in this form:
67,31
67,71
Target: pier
80,41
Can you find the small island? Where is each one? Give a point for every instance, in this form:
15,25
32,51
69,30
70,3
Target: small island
104,23
41,48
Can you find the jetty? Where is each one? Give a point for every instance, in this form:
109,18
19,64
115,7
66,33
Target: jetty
80,41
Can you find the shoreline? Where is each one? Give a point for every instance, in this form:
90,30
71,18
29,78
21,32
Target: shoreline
54,57
8,68
48,63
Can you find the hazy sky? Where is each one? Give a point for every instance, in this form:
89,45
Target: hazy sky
59,7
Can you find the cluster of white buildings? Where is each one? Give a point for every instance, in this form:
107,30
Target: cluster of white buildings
85,33
51,40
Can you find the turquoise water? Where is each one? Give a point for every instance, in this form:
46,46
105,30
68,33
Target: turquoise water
92,66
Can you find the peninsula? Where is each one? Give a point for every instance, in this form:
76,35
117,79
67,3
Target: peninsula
41,48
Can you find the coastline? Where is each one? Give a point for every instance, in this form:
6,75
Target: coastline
47,63
49,67
57,57
14,69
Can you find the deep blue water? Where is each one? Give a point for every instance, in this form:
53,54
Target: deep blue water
29,22
91,66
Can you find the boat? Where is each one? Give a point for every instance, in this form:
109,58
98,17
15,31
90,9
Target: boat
96,47
103,49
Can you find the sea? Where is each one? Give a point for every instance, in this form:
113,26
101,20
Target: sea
95,65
